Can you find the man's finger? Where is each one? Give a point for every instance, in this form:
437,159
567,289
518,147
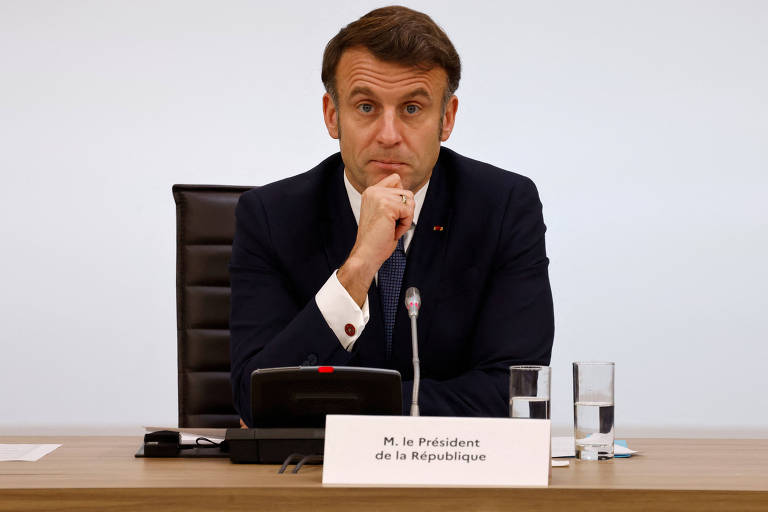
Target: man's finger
404,208
391,181
403,225
396,194
405,213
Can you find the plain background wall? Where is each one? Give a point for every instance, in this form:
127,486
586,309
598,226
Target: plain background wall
644,125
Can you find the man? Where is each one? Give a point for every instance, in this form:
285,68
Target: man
320,261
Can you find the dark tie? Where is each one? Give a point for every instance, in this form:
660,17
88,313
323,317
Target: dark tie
390,281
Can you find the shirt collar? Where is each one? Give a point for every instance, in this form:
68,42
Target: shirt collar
356,199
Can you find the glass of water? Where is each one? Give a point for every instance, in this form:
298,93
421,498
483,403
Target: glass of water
529,392
593,410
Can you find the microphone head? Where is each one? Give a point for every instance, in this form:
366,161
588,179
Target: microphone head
412,301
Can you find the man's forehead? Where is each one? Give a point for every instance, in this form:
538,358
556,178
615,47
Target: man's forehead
359,71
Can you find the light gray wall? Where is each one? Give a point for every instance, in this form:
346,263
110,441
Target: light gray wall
643,123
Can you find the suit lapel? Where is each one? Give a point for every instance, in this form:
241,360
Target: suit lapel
339,227
424,264
339,234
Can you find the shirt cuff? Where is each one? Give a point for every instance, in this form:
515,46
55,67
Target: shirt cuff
341,312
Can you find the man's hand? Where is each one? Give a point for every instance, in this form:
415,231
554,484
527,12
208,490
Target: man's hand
383,220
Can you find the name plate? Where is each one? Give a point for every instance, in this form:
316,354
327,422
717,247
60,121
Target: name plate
436,451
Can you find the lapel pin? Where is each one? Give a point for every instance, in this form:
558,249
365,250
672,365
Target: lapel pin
438,228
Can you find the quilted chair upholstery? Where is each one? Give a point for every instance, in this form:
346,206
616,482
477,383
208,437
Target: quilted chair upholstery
205,227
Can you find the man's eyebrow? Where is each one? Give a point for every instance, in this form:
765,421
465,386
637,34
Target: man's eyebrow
362,91
367,91
418,92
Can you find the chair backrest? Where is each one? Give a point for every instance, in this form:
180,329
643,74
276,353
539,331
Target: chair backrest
205,227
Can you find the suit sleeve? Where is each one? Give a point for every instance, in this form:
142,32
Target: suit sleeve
515,324
270,325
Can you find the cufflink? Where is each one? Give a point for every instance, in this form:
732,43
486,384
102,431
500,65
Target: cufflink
349,329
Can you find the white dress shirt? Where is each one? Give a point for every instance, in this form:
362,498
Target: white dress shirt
334,302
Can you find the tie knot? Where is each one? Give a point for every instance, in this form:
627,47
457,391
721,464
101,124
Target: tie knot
401,244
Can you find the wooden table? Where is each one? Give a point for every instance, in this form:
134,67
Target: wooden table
100,473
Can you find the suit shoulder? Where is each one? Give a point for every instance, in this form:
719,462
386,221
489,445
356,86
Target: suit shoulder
303,189
481,178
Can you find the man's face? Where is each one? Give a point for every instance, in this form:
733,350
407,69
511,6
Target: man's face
389,119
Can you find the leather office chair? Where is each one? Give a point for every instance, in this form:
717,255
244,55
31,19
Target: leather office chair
205,227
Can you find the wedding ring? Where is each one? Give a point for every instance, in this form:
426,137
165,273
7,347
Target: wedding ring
404,199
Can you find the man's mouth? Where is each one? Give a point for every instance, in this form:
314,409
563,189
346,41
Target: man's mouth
388,163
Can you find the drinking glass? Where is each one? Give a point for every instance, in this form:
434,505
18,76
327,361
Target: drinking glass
529,392
593,410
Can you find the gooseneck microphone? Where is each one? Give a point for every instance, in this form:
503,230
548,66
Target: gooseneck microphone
413,303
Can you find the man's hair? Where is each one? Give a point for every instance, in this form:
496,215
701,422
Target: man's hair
395,34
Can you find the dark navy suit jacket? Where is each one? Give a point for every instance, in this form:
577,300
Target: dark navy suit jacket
483,279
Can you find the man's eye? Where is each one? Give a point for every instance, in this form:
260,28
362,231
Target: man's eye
365,108
412,109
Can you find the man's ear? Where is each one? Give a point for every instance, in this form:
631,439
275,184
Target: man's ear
330,116
449,117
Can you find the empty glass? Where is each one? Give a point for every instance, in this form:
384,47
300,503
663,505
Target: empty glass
529,392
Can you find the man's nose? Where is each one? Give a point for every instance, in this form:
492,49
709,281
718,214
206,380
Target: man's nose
389,130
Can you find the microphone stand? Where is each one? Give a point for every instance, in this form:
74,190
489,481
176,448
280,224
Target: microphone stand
413,303
416,369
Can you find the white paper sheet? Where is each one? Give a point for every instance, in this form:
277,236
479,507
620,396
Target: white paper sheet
25,452
619,450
